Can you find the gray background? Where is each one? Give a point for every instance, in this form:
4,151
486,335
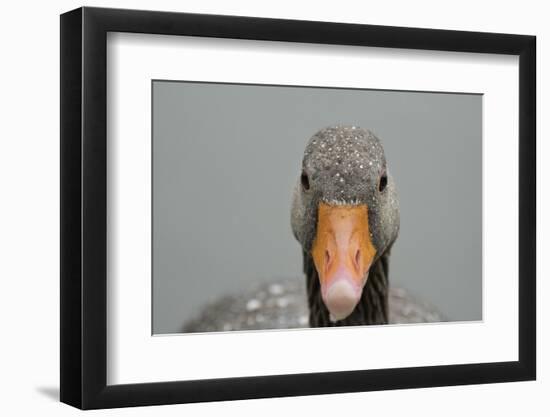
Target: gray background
225,159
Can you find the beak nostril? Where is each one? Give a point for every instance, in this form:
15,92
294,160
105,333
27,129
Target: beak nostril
327,257
357,258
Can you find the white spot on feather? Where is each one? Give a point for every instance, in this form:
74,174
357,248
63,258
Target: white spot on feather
253,305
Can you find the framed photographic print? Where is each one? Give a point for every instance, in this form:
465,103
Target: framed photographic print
257,207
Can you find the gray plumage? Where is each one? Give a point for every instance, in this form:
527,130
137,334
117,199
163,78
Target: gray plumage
282,304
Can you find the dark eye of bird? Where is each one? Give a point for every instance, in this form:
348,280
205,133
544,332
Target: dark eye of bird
383,182
305,181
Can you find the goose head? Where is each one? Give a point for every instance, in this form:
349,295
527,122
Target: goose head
344,212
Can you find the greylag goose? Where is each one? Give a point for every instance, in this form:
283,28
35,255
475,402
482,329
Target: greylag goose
345,215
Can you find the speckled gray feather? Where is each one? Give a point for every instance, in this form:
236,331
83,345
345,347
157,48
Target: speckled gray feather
344,166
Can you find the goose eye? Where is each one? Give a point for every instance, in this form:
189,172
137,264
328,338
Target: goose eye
383,182
304,179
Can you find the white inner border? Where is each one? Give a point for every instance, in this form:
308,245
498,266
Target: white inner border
134,356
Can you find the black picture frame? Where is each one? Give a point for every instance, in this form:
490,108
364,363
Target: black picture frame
84,196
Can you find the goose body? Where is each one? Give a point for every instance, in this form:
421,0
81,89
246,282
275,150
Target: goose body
282,304
345,215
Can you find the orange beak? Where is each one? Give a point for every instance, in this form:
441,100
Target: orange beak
342,254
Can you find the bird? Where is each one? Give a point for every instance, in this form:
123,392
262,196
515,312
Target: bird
345,216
